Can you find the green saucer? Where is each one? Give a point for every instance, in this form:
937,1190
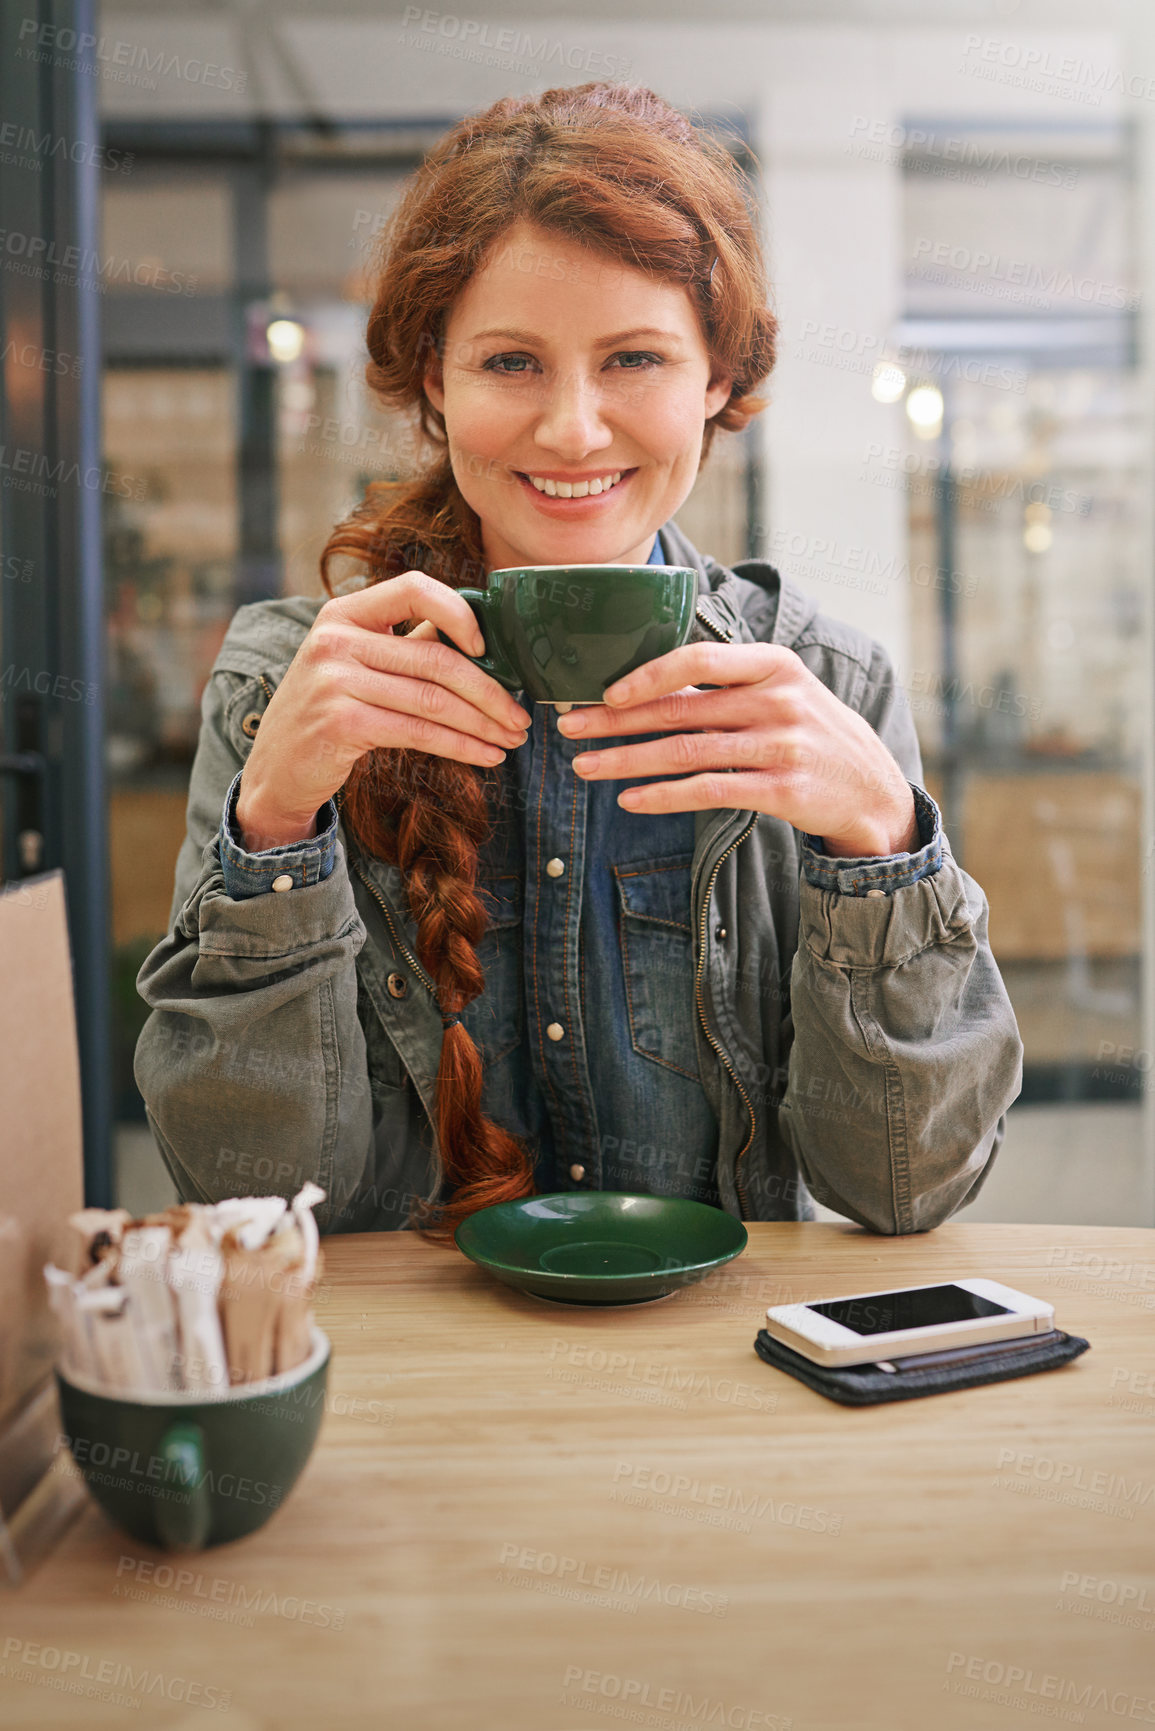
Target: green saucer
600,1246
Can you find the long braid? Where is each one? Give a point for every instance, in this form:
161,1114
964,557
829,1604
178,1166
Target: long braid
428,816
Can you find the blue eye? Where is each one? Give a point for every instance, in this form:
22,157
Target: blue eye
638,355
493,365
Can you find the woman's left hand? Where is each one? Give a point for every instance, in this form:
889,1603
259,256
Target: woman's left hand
773,739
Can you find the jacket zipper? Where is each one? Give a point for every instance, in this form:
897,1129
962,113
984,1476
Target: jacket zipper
401,945
726,637
718,630
742,1197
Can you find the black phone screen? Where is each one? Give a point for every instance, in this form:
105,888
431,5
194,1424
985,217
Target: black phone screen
925,1307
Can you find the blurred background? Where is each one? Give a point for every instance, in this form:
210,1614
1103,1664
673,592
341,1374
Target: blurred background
959,211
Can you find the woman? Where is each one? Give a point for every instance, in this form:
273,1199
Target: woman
425,948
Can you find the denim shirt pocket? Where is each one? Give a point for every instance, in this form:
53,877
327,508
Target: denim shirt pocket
496,1018
658,959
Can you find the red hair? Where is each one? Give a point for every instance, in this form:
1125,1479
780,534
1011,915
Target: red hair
616,168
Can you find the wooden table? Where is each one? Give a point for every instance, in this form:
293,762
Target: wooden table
526,1517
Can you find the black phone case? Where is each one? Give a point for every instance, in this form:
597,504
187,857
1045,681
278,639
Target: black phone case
866,1385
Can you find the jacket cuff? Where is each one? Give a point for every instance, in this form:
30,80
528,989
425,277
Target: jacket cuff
292,866
880,874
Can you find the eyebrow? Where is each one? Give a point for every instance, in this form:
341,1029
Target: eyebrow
602,342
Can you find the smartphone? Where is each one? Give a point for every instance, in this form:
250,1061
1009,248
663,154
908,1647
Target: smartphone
868,1326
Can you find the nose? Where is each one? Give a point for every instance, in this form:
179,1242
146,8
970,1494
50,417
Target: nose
572,423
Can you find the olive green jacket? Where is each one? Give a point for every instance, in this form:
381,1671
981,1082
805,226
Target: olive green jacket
859,1049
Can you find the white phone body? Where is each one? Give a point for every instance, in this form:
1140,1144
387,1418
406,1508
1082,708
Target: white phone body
828,1342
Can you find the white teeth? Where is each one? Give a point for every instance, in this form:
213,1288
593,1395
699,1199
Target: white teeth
576,489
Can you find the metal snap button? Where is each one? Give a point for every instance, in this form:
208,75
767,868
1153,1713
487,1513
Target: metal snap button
555,1031
577,1173
555,867
251,723
284,882
720,931
398,985
876,892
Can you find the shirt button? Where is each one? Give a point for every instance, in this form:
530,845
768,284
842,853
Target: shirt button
555,867
556,1031
577,1173
876,892
284,882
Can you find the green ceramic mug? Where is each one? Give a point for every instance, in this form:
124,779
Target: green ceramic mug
562,633
185,1471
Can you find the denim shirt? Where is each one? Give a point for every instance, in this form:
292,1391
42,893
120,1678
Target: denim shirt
587,1023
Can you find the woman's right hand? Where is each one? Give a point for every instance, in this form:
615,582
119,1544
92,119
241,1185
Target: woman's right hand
354,685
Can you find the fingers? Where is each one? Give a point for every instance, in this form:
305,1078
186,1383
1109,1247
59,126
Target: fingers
343,635
681,709
413,595
679,754
783,699
715,791
703,664
442,680
441,712
400,729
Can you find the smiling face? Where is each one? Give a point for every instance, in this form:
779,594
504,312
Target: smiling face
561,366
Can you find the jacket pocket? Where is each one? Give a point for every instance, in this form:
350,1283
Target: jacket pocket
383,1063
496,1018
658,959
